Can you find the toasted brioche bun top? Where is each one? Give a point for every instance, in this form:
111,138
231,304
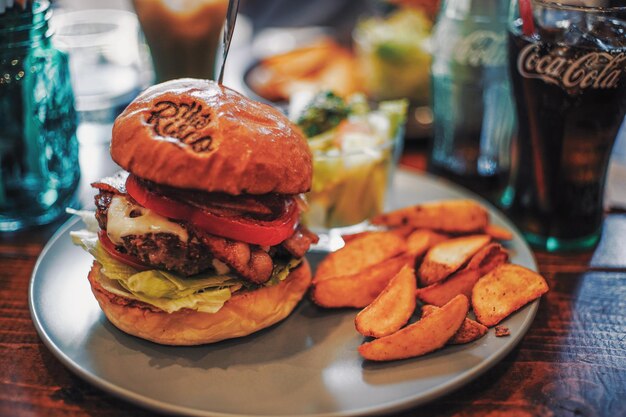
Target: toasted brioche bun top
196,134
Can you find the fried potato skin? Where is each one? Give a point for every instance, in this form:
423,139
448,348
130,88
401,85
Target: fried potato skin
419,241
359,289
445,258
470,330
277,77
498,232
463,281
360,254
402,231
448,216
391,309
424,336
504,290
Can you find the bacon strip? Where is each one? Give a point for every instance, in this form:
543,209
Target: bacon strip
115,184
249,261
298,244
224,204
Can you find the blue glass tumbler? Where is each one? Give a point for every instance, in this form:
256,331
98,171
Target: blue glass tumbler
39,170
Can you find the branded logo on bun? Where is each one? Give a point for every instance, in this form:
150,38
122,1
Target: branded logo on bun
199,238
182,121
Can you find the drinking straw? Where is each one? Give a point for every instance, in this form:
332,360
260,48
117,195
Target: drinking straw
526,13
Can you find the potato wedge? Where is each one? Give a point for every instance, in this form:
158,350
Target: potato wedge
424,336
354,236
462,282
421,240
359,289
360,254
402,231
440,293
488,258
338,74
279,76
498,232
470,329
448,256
449,216
304,61
393,307
505,290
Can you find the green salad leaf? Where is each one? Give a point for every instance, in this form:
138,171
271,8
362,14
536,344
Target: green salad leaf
321,117
167,291
281,271
205,292
325,111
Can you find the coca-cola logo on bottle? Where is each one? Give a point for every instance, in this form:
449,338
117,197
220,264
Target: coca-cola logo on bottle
481,48
596,70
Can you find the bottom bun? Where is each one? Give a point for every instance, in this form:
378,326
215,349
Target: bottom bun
244,313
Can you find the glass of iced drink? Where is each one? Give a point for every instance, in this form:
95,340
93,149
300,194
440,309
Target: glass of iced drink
568,69
355,149
183,35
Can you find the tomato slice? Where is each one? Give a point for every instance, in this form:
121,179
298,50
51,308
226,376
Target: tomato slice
264,233
163,205
122,257
258,232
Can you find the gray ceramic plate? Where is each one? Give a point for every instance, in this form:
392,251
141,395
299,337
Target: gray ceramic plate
307,365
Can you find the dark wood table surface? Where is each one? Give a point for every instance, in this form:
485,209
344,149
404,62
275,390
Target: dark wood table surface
572,361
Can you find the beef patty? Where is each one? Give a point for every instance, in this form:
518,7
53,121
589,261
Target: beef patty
161,250
166,250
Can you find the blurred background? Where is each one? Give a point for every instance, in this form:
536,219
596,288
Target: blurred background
329,40
283,52
404,75
382,48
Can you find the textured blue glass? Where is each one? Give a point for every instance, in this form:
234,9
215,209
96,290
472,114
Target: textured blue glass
39,168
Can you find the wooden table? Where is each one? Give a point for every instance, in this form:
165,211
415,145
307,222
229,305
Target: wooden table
572,362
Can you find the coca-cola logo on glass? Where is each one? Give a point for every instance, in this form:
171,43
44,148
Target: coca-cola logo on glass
481,48
181,121
595,70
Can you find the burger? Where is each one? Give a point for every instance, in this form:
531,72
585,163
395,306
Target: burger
199,240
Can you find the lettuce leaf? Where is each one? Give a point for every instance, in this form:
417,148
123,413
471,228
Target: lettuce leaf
165,290
87,216
206,302
281,271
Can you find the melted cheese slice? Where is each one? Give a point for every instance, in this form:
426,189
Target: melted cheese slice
120,224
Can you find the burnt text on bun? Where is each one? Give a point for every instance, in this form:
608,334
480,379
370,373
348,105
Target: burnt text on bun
196,134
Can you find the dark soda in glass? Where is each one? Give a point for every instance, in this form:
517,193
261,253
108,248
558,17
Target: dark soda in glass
569,82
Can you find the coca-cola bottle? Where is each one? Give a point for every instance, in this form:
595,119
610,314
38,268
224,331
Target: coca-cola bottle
474,116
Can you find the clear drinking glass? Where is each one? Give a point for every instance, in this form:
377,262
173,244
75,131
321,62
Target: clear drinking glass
474,119
350,183
568,69
104,51
349,187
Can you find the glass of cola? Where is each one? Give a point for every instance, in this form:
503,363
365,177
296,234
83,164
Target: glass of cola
568,69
